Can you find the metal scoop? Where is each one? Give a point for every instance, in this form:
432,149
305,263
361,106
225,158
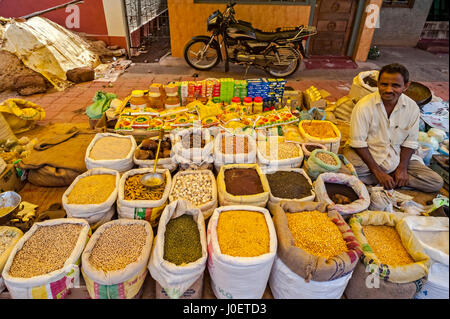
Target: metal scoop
154,179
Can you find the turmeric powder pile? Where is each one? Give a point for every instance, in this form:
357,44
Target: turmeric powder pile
243,233
318,129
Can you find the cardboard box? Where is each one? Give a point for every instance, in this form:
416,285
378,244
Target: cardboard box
10,180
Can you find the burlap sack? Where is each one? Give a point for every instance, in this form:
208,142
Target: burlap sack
57,160
301,262
363,285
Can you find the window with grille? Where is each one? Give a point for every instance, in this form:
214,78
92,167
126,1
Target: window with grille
398,3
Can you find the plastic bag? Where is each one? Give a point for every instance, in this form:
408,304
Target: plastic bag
20,114
101,103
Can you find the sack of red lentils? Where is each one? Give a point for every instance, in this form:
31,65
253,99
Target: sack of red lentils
316,251
57,244
233,149
393,259
344,193
179,256
240,266
114,262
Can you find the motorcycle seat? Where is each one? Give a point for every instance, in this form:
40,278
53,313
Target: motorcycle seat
273,36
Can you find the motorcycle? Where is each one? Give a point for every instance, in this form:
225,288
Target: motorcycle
279,53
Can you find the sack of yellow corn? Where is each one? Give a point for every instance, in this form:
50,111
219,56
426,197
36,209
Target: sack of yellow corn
393,259
258,194
114,262
317,251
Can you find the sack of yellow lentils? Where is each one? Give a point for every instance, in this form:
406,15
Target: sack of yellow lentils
317,252
393,260
242,184
179,255
136,201
322,132
44,264
240,266
114,262
9,236
275,152
92,196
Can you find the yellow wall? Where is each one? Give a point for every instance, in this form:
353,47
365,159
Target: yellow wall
188,19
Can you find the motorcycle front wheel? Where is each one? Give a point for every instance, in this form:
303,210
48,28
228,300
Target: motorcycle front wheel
199,56
285,63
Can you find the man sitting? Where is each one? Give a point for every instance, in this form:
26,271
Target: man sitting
384,129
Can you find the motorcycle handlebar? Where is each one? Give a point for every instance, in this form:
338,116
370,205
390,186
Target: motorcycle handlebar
231,4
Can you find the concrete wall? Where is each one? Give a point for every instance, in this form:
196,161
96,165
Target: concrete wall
402,26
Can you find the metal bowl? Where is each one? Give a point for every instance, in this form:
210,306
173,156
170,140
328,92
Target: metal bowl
9,199
420,93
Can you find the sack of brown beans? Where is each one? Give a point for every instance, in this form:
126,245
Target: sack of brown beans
345,193
394,264
92,196
114,263
275,152
179,256
145,153
321,161
308,148
234,149
136,201
242,184
193,149
316,254
198,187
240,266
44,264
113,151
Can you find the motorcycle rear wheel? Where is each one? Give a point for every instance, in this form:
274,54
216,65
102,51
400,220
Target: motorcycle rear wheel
281,72
199,60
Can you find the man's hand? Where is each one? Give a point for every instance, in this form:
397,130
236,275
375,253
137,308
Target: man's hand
385,179
401,176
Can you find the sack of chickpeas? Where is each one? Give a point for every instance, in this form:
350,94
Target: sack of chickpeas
179,256
239,265
316,254
45,262
114,262
113,151
136,201
321,161
92,196
233,149
193,149
145,153
275,152
196,186
394,264
345,193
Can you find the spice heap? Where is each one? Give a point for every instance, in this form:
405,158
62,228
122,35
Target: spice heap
195,188
94,189
135,190
118,246
279,150
387,245
110,148
290,185
326,158
149,148
193,141
314,232
243,233
6,236
45,251
243,181
182,241
340,193
318,129
234,145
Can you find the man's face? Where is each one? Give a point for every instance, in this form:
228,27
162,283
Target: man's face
391,86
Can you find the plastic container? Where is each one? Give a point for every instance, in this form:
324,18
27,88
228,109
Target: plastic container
138,101
172,100
155,101
257,105
248,104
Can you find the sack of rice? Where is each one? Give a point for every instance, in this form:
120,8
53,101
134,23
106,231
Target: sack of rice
114,263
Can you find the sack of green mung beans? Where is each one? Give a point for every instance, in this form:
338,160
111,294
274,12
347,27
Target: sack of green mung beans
136,201
393,259
179,256
233,149
275,152
240,266
344,193
44,264
321,161
114,262
196,186
317,252
291,184
92,196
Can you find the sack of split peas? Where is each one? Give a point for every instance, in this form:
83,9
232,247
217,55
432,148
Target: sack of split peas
393,259
316,254
179,255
